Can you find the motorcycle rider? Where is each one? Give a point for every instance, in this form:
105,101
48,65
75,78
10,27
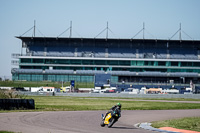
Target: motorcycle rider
117,106
111,116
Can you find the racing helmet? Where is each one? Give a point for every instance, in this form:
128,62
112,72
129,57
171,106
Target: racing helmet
119,105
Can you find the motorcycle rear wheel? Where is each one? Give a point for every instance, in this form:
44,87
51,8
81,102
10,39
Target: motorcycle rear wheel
111,123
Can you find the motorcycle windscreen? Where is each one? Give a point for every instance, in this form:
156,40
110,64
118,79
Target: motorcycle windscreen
107,118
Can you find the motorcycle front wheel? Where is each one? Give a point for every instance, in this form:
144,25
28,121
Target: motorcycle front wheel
102,123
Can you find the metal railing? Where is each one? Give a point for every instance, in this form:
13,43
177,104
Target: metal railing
16,55
15,62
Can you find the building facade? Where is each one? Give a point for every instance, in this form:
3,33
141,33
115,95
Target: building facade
126,60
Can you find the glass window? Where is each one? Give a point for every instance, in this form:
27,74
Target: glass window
87,62
37,77
114,79
140,63
38,61
25,77
161,63
51,77
63,78
148,63
76,62
113,62
133,63
100,62
125,63
25,60
168,63
185,64
63,61
196,64
87,78
174,63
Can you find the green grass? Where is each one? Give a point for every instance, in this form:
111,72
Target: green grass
66,103
44,83
189,123
6,132
79,103
166,99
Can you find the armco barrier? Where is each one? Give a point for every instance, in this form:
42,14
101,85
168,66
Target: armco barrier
10,104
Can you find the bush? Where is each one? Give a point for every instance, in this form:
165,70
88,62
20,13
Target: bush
9,94
11,100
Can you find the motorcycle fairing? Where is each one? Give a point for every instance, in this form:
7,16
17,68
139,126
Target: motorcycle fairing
106,121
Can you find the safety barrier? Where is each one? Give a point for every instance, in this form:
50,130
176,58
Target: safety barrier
11,104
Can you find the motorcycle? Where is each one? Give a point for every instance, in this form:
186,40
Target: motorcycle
110,118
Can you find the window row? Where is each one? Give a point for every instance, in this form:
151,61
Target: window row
111,62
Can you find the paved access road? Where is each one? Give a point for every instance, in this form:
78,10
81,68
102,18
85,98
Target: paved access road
84,121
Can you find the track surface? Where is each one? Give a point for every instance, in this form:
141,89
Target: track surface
84,121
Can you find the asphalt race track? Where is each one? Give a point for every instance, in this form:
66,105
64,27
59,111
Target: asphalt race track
84,121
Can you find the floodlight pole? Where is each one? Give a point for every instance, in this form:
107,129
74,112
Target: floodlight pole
107,31
70,29
34,28
143,29
180,32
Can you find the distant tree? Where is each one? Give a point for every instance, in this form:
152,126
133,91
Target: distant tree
0,79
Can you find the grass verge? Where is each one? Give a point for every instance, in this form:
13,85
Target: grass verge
188,123
6,132
44,83
66,103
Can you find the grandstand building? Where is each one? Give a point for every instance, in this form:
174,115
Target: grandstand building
133,61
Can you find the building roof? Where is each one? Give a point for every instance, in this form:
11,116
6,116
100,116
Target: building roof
103,39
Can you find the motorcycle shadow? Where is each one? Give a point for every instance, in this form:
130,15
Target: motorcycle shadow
124,127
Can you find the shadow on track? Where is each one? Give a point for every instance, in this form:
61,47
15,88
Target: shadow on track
124,127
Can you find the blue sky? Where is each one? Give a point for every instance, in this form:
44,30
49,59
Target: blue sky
89,18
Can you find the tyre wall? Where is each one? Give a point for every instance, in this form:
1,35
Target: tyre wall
11,104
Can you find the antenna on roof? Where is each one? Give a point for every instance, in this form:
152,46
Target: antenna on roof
143,29
70,28
138,33
34,28
29,30
106,29
180,31
143,32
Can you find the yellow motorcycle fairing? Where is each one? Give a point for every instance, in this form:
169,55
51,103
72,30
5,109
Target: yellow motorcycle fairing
106,121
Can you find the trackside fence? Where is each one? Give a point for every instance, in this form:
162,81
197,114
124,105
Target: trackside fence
124,95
